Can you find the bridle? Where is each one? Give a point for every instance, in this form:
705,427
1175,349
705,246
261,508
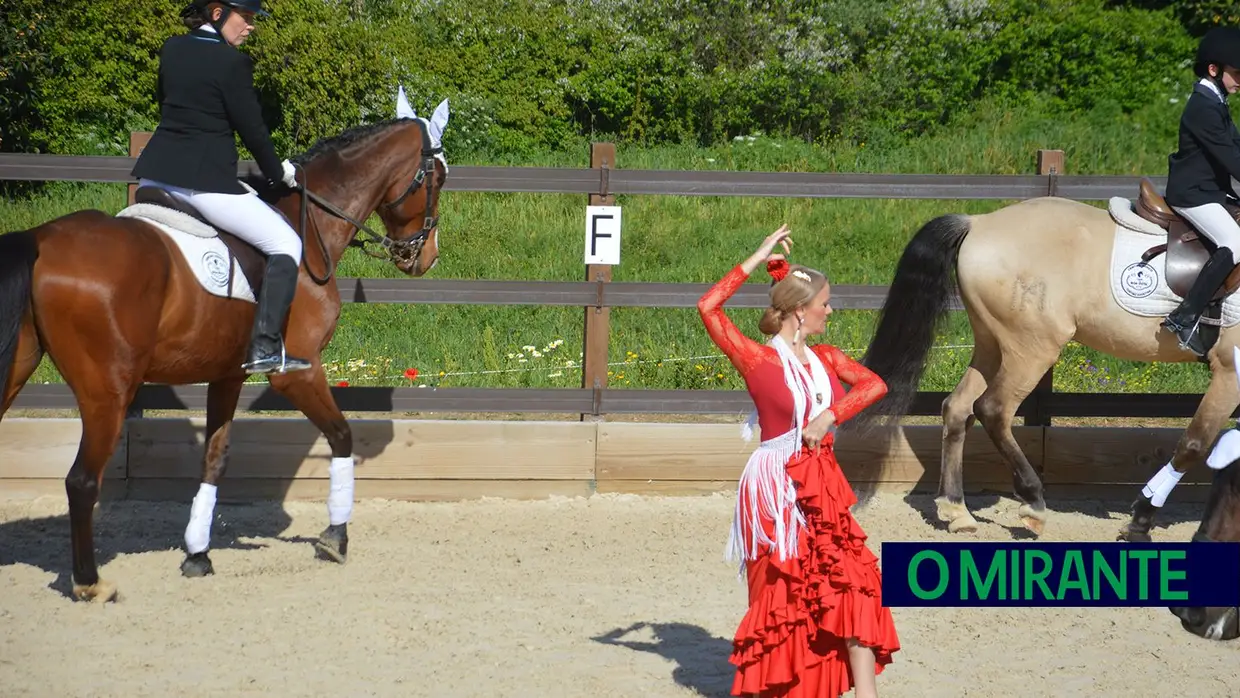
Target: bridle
397,251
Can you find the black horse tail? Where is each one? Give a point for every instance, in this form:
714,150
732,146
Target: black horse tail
18,252
918,300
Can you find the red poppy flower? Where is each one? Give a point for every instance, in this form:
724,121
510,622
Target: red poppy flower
411,374
342,384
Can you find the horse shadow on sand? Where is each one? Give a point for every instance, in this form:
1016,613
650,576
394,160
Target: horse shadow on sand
988,484
148,510
701,658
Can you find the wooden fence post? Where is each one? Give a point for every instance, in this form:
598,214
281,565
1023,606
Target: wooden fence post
1050,164
596,341
137,141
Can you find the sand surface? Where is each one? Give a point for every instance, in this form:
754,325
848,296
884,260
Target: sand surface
607,596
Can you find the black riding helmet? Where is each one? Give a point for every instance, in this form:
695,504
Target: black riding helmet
255,6
1220,46
198,8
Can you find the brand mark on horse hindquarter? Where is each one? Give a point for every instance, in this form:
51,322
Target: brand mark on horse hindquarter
1025,292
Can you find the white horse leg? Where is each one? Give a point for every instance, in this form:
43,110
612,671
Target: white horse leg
221,405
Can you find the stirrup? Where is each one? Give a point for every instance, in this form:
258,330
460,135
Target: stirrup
1186,334
262,365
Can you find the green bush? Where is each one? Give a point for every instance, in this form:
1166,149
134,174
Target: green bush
548,75
1200,15
316,71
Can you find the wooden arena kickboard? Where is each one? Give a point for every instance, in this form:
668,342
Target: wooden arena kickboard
383,449
34,448
903,458
1113,456
315,490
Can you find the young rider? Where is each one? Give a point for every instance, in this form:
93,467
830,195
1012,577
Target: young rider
1200,174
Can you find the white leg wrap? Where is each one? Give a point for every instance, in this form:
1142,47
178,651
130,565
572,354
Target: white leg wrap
1226,451
340,498
198,532
1161,485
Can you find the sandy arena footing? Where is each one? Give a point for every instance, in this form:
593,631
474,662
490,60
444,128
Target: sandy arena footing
615,595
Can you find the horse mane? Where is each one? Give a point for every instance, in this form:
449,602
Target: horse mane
346,138
325,146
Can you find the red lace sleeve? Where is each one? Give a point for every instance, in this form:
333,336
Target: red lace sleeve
866,386
742,351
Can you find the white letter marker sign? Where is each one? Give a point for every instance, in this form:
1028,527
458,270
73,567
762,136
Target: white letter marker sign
603,235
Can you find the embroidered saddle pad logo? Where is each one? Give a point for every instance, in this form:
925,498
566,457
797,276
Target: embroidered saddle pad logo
1139,280
216,267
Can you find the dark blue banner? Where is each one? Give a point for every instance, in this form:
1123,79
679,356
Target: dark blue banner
1024,574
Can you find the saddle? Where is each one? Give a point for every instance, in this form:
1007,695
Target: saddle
1187,250
253,262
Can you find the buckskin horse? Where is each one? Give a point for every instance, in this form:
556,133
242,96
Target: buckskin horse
1032,276
155,294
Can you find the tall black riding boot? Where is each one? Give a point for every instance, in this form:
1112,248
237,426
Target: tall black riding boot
276,295
1183,320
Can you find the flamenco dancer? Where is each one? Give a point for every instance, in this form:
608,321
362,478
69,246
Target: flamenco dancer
816,625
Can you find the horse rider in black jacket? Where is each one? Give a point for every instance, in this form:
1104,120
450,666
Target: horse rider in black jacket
1200,173
206,93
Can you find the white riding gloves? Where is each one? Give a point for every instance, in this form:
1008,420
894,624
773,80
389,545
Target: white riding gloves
290,175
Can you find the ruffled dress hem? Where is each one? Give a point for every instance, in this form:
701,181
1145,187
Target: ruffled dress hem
792,641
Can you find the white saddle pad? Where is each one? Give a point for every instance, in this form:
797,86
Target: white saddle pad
204,251
1139,287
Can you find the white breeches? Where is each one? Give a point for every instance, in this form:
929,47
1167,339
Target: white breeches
243,215
1213,221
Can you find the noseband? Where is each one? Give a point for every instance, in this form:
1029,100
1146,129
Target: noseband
397,251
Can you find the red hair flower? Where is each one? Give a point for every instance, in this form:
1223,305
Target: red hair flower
777,268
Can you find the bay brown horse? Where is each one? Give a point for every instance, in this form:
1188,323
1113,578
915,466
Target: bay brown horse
113,303
1032,276
1220,522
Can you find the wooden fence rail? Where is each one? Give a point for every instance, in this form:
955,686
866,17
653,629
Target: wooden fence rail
601,183
557,180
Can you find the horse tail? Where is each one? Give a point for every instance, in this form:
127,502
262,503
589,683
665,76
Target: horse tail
18,252
917,301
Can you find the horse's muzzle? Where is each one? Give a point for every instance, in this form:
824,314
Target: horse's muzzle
1213,623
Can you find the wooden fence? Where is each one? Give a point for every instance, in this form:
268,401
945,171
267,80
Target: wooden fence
1129,462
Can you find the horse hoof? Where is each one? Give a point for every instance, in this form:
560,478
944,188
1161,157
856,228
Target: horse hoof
333,544
1035,526
197,565
1127,535
965,523
949,511
1032,519
99,592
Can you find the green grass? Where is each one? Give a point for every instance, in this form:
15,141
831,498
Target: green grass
697,239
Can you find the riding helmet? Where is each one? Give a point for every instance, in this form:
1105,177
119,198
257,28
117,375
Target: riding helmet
1221,46
255,6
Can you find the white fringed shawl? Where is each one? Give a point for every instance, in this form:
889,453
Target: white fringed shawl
765,489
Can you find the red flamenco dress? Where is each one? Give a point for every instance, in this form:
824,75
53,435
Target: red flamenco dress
813,582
